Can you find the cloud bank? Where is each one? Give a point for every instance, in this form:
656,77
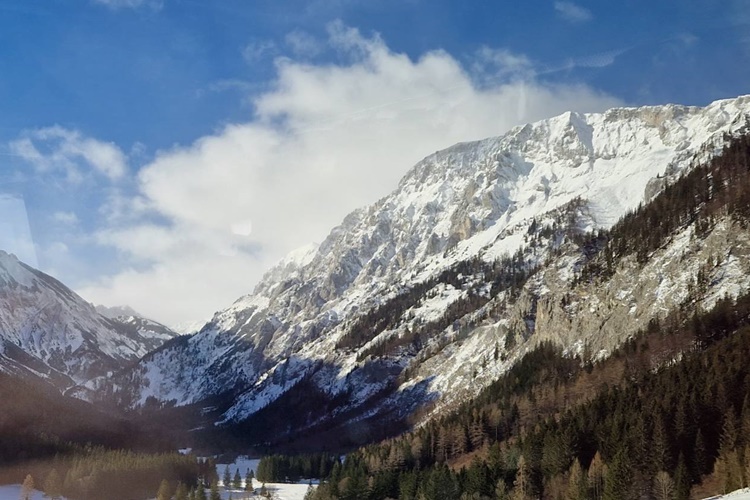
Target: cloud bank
205,220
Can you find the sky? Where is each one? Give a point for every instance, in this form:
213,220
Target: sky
163,154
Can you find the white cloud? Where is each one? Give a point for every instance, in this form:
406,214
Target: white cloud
303,44
70,152
572,12
325,139
65,218
256,50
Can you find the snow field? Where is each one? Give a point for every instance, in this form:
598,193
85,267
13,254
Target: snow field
280,491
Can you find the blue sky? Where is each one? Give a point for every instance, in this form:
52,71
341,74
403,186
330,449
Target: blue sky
174,149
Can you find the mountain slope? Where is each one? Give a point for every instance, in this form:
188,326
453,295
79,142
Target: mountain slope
433,291
48,331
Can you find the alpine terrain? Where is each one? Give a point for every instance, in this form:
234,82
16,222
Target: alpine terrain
49,332
418,302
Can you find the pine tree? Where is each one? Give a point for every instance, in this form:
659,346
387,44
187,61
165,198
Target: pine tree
577,483
215,495
182,492
700,456
681,479
501,490
522,484
227,479
660,446
27,488
165,492
619,477
728,470
596,476
237,480
729,433
200,493
53,485
249,480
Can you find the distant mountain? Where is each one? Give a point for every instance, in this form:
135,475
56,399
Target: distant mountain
116,311
49,332
419,301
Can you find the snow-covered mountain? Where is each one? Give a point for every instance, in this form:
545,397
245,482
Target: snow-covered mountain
48,331
430,293
116,311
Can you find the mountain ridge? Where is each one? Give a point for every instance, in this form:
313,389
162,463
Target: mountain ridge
473,199
48,331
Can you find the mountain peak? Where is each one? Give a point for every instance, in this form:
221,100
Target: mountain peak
474,202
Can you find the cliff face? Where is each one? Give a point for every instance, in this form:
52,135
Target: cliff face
434,290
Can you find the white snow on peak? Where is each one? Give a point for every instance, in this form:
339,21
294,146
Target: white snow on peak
472,199
57,328
13,271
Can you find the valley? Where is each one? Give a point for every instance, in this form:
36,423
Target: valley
559,312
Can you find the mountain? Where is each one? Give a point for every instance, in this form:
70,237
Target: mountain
419,301
116,311
49,332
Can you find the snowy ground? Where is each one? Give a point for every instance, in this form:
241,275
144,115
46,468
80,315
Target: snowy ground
743,494
280,491
13,492
283,491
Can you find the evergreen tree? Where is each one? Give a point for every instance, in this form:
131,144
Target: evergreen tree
577,483
310,493
200,492
618,482
215,495
681,479
227,479
165,492
182,492
728,470
477,478
407,485
700,457
501,490
440,484
729,434
660,446
522,484
27,488
596,476
53,485
237,480
249,480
